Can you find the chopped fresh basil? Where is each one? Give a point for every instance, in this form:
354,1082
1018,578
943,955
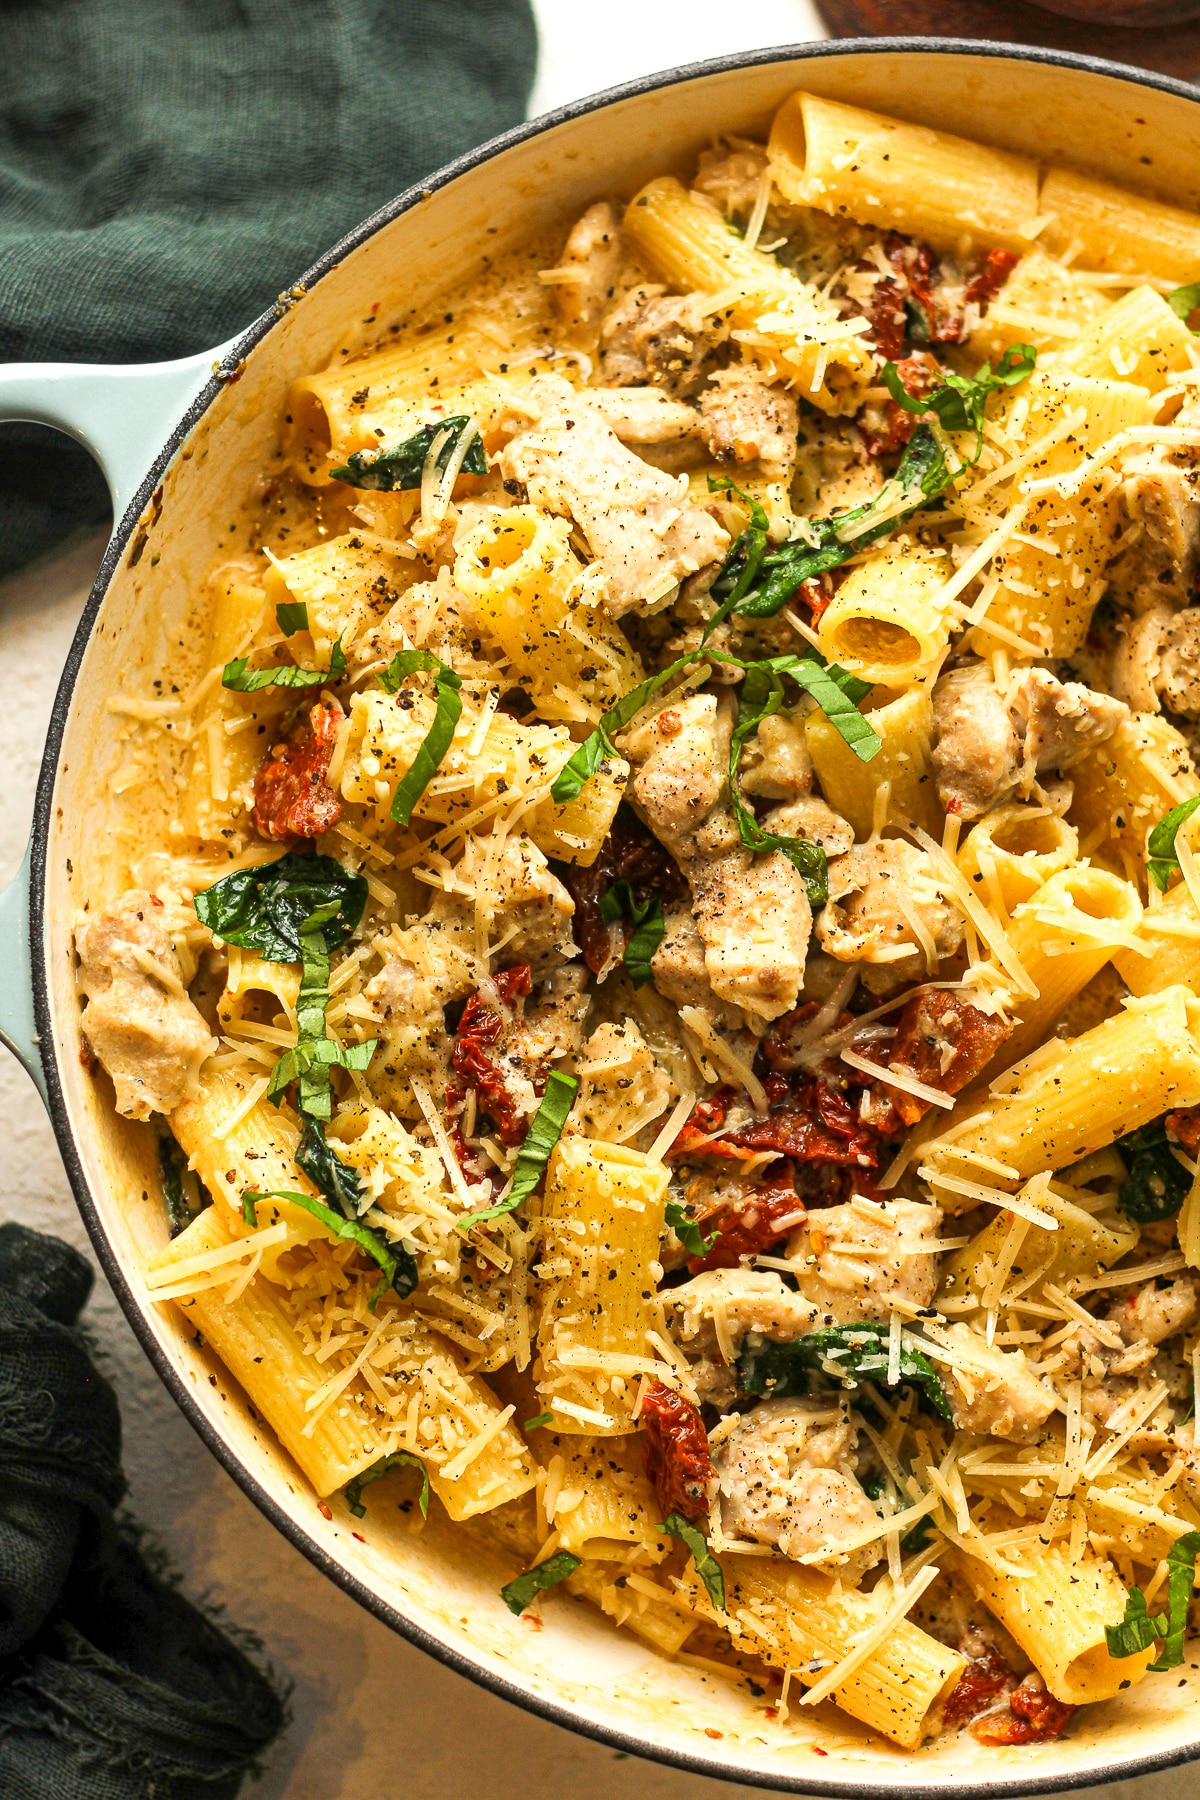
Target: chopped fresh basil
399,1459
183,1193
619,903
404,464
1157,1184
1139,1629
438,738
544,1132
398,1265
518,1593
268,907
239,676
1162,861
539,1422
959,404
336,1180
707,1566
687,1230
740,569
292,616
1183,301
848,1353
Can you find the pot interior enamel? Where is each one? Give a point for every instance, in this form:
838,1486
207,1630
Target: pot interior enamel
575,1667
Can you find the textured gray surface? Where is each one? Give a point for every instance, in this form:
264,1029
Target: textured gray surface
374,1719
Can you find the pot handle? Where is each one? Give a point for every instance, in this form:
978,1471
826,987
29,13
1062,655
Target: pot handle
121,412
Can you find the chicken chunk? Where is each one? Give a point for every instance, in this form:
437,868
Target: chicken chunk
754,917
731,178
139,1019
1151,1314
1178,681
1158,499
645,415
1059,721
862,1256
593,256
661,340
886,910
776,763
527,896
814,819
681,761
996,1393
716,1309
645,535
622,1087
976,755
786,1475
747,421
680,972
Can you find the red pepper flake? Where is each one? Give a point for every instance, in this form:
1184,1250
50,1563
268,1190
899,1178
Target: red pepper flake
675,1453
291,796
817,1750
709,1732
1184,1126
324,1510
359,1536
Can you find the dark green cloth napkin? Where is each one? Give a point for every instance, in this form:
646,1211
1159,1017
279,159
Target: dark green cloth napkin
112,1686
168,166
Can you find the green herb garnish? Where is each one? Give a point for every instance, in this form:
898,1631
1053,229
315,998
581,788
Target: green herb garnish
266,908
1183,301
1162,861
959,404
619,903
1139,1629
439,737
183,1192
848,1353
517,1594
398,1265
404,464
707,1566
292,616
544,1132
1157,1183
239,676
399,1459
688,1231
539,1422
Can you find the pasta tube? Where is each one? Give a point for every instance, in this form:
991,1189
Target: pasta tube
603,1213
1170,932
344,583
776,315
1057,1611
885,623
1014,849
879,171
1123,788
1083,1244
1110,228
1139,340
905,729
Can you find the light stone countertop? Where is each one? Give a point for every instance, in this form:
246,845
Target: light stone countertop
370,1712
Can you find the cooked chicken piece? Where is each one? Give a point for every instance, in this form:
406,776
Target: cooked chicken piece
552,1025
680,972
976,755
622,1086
139,1020
1151,1314
681,761
717,1308
664,340
862,1256
644,533
645,415
1179,664
426,967
987,742
753,913
1059,721
522,892
593,250
787,1478
997,1393
776,763
747,421
815,819
1159,496
731,178
1133,667
886,910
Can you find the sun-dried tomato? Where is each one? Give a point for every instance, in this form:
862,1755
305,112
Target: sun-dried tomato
675,1453
1184,1126
981,1683
629,853
1033,1717
479,1030
889,322
917,264
291,796
987,281
810,1123
920,375
754,1221
943,1041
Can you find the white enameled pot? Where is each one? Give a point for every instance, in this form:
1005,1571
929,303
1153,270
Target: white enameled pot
182,445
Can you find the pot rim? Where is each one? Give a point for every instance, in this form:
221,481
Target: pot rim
1017,1786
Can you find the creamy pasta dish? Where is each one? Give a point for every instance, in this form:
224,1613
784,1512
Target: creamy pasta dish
661,929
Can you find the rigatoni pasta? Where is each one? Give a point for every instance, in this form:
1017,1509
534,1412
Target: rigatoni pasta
667,982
